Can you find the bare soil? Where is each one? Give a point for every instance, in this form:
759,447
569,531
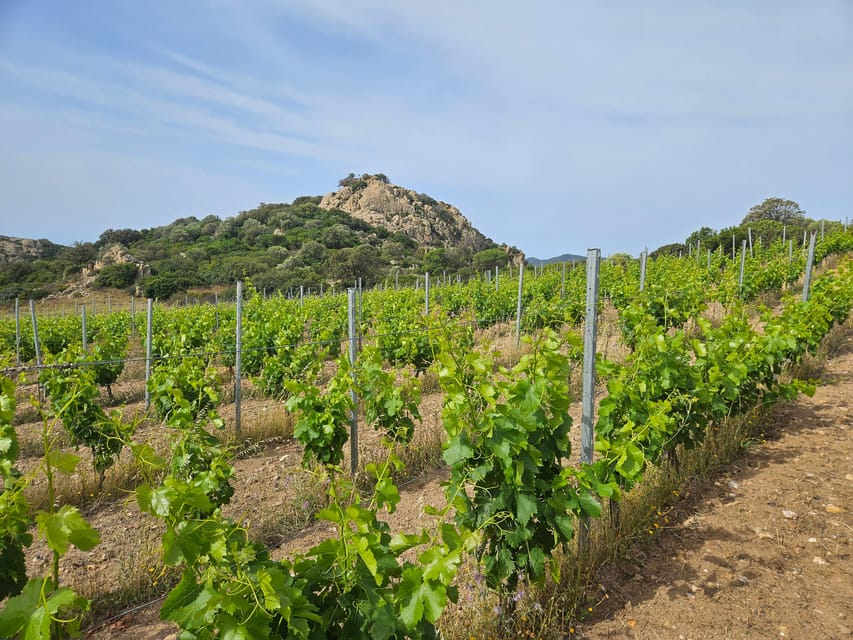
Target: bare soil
761,550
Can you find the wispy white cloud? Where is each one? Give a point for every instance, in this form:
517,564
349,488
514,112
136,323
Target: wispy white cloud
547,106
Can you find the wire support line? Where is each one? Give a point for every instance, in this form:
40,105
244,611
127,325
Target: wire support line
269,349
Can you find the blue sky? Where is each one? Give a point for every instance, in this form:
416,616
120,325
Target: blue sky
553,125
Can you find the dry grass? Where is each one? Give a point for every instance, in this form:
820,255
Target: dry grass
142,577
259,425
836,340
424,452
277,525
82,487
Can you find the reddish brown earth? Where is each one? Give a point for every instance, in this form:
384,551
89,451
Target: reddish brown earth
761,550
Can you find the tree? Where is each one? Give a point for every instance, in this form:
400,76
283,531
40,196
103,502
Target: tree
706,237
124,237
345,181
672,249
438,260
311,254
489,258
362,261
163,287
784,211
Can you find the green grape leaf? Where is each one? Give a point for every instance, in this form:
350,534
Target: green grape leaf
525,507
30,614
62,461
66,526
457,451
420,600
589,504
146,456
155,501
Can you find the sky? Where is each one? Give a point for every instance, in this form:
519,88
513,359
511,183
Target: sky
554,126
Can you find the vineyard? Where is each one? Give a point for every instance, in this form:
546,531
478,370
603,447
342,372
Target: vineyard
247,458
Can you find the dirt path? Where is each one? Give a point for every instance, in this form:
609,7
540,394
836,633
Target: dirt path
762,550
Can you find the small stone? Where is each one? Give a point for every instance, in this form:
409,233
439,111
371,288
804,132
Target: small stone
789,514
742,580
812,540
849,477
733,484
819,561
831,508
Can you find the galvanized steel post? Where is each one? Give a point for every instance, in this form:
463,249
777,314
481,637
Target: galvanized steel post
353,435
518,306
808,279
83,327
238,361
593,258
148,339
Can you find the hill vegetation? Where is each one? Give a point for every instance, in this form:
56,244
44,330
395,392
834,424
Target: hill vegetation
768,221
277,246
369,229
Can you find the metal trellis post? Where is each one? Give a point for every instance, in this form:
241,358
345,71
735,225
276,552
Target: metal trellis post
148,338
238,361
353,436
808,279
593,258
518,306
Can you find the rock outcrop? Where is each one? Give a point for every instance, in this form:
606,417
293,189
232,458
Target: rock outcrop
429,222
14,249
114,254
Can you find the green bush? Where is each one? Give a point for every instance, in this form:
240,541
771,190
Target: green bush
117,276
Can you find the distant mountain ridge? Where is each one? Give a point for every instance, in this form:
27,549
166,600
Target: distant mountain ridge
566,257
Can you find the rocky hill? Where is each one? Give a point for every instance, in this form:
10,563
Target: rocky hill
368,229
427,221
14,249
